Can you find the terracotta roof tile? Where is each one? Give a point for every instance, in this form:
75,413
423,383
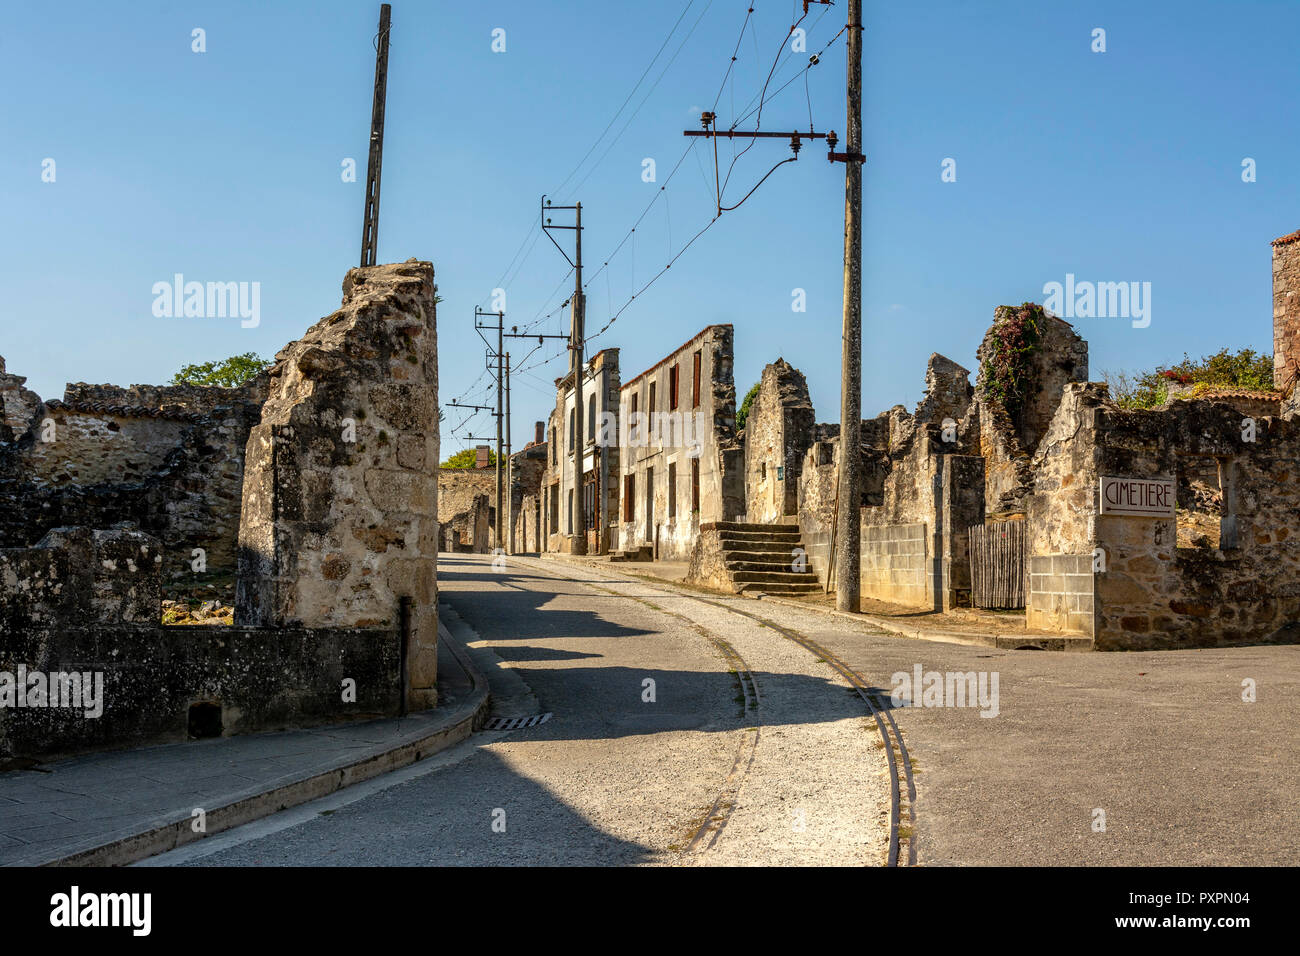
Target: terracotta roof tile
1287,240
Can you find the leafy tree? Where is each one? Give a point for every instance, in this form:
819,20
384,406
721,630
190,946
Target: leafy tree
1244,368
743,415
468,457
227,373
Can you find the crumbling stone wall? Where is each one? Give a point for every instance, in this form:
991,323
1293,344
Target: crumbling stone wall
165,459
1009,438
527,470
1286,313
336,532
1146,591
18,405
778,433
466,508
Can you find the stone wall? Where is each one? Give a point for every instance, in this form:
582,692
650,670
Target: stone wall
1286,312
1148,592
18,405
338,532
167,460
1008,440
467,508
778,433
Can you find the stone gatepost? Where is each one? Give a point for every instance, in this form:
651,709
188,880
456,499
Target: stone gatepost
340,515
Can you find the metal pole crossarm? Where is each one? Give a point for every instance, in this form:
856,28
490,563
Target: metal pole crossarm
370,221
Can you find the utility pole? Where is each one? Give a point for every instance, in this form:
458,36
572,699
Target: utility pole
848,535
510,465
370,223
846,559
499,355
578,308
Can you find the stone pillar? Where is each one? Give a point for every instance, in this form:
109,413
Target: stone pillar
1286,311
340,515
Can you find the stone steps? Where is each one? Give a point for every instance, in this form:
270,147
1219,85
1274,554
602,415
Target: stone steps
760,558
752,545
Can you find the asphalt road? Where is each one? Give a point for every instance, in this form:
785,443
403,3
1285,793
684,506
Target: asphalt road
1090,759
680,734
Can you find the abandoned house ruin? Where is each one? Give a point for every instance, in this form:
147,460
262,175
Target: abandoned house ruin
309,488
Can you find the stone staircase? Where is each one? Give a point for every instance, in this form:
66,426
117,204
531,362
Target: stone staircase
760,557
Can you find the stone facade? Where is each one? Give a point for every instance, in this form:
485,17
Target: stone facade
527,472
598,491
680,461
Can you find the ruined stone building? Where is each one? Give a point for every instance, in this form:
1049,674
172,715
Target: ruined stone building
597,492
527,472
310,486
467,506
680,463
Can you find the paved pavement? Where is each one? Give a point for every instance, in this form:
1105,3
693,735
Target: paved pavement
785,766
109,808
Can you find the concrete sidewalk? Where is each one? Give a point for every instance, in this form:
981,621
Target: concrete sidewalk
912,626
108,809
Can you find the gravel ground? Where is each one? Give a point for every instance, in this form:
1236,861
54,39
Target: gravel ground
612,779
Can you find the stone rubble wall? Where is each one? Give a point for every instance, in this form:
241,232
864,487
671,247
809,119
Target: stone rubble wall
335,533
778,434
466,505
1147,591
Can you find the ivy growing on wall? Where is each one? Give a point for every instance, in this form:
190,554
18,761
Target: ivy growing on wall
1006,374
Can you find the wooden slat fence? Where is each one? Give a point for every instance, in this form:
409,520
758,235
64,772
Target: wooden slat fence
997,565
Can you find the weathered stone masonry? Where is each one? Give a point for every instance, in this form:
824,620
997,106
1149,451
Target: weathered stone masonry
338,535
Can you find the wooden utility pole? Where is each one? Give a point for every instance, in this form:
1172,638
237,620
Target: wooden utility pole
578,309
500,381
370,223
510,465
848,532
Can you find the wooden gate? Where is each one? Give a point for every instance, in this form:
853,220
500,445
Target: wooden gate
997,565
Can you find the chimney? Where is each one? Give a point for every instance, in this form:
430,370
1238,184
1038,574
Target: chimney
483,456
539,432
1286,311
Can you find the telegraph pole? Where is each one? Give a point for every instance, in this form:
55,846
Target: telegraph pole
499,355
578,308
510,480
370,223
848,534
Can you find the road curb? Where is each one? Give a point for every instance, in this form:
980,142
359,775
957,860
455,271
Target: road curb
445,730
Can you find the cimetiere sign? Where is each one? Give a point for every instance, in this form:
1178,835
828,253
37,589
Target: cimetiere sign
1138,497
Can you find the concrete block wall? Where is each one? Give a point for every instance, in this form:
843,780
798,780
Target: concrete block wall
1061,593
898,564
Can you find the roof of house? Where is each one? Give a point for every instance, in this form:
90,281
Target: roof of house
1287,240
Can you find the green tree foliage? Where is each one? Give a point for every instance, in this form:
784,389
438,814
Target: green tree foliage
1244,368
743,415
227,373
467,457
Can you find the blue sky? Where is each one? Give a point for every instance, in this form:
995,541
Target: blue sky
225,166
